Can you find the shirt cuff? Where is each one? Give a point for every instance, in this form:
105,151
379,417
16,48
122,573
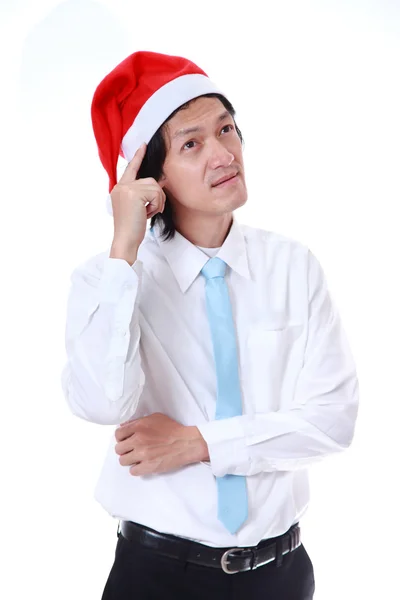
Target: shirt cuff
227,448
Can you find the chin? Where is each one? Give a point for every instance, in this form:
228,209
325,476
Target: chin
228,206
239,200
243,200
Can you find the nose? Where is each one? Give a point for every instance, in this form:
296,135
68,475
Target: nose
219,155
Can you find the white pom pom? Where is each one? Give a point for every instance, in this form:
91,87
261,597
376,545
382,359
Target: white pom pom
109,205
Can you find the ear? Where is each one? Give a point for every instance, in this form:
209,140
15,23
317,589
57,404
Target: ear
162,182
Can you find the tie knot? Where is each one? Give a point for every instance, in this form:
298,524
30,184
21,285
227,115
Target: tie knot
215,267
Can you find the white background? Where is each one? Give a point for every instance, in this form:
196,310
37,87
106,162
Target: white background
316,89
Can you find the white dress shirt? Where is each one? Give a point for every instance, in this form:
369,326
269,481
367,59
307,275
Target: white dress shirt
138,341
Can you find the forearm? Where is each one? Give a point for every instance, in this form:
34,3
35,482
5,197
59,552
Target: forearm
279,441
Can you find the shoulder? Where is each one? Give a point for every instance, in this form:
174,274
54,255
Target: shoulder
275,251
273,242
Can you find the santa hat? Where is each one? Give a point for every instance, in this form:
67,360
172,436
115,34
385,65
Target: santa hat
135,99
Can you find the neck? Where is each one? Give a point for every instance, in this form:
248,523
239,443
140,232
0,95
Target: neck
205,231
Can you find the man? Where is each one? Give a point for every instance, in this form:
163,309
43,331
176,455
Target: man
215,347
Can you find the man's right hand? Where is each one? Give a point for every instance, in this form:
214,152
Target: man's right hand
133,202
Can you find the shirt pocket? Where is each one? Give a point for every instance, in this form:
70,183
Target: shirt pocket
270,362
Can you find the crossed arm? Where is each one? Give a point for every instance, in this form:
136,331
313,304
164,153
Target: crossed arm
318,421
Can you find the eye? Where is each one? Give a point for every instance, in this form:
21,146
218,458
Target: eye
229,127
187,145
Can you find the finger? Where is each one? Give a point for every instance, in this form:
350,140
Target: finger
127,460
127,422
150,181
134,165
125,446
122,433
156,205
137,469
152,213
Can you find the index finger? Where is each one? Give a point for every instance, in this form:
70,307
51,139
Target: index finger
125,430
122,433
134,165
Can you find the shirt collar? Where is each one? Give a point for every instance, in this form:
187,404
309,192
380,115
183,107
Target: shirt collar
186,260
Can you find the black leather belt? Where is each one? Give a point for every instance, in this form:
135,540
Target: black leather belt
230,560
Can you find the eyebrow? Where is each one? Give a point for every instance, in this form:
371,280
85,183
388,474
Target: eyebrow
183,132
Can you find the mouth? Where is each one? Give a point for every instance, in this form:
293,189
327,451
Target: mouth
226,180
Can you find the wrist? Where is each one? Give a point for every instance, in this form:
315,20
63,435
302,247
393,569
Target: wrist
199,447
125,252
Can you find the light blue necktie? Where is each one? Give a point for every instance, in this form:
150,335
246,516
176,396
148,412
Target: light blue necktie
232,491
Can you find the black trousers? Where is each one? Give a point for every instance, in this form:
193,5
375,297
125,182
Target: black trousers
139,573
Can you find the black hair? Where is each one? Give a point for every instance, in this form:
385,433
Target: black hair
153,162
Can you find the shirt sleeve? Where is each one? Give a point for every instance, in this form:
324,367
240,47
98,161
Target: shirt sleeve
322,414
102,379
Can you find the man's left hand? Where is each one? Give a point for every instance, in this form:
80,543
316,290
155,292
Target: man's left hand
158,444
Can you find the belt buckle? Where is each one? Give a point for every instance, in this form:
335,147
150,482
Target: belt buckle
225,561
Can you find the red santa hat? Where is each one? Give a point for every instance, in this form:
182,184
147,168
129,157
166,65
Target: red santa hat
135,99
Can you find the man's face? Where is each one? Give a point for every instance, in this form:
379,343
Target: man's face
198,159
